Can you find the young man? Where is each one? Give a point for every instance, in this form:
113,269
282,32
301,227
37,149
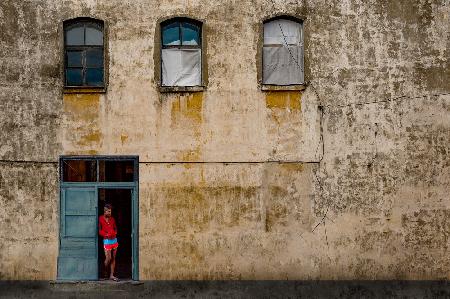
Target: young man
108,230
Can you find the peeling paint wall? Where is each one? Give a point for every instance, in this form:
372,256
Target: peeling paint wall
28,230
223,221
347,179
386,178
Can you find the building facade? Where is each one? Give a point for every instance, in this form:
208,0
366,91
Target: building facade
337,169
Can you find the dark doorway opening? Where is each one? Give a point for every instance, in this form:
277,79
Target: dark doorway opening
121,200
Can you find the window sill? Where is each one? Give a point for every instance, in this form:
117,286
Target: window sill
84,89
181,88
299,87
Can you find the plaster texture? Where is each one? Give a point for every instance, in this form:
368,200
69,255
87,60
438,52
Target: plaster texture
347,179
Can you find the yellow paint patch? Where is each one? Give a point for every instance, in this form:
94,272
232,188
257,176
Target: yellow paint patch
186,115
123,138
188,107
194,106
92,152
176,107
82,106
284,99
292,166
82,114
83,152
93,137
189,155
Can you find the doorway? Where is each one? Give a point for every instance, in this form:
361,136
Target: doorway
120,199
87,183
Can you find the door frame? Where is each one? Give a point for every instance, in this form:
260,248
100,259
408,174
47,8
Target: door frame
133,186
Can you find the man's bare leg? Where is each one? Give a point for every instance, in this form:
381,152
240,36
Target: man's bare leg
107,260
113,263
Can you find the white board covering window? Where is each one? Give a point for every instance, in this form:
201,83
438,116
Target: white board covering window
181,53
283,53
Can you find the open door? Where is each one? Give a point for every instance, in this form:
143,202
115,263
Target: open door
77,258
121,201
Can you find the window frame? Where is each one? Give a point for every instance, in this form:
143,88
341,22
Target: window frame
85,23
275,87
97,159
159,42
180,21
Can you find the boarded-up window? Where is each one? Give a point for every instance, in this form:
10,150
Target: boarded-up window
283,52
83,44
181,53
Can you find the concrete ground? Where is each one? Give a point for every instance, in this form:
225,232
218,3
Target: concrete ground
226,289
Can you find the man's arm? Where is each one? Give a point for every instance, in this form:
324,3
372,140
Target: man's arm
101,232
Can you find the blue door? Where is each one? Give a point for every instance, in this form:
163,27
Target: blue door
77,258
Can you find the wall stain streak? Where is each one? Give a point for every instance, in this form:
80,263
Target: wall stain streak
284,100
82,123
123,138
187,112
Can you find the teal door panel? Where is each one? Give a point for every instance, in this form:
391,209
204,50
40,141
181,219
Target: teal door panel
77,247
78,235
80,226
77,268
81,201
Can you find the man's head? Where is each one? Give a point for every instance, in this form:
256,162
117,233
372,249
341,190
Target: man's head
107,210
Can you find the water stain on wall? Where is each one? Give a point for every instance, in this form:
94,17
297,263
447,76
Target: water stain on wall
82,106
284,121
187,106
284,100
82,123
187,112
123,138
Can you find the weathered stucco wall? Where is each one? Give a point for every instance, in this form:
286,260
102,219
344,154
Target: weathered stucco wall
365,192
28,230
384,182
234,221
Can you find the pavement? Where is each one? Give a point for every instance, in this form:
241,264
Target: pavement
225,289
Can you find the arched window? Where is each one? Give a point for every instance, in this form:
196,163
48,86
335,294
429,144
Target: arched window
283,52
84,53
181,52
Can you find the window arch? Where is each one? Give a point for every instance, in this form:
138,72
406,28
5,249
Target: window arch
283,51
181,52
84,53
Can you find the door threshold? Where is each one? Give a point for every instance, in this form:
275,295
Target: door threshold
121,281
100,281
